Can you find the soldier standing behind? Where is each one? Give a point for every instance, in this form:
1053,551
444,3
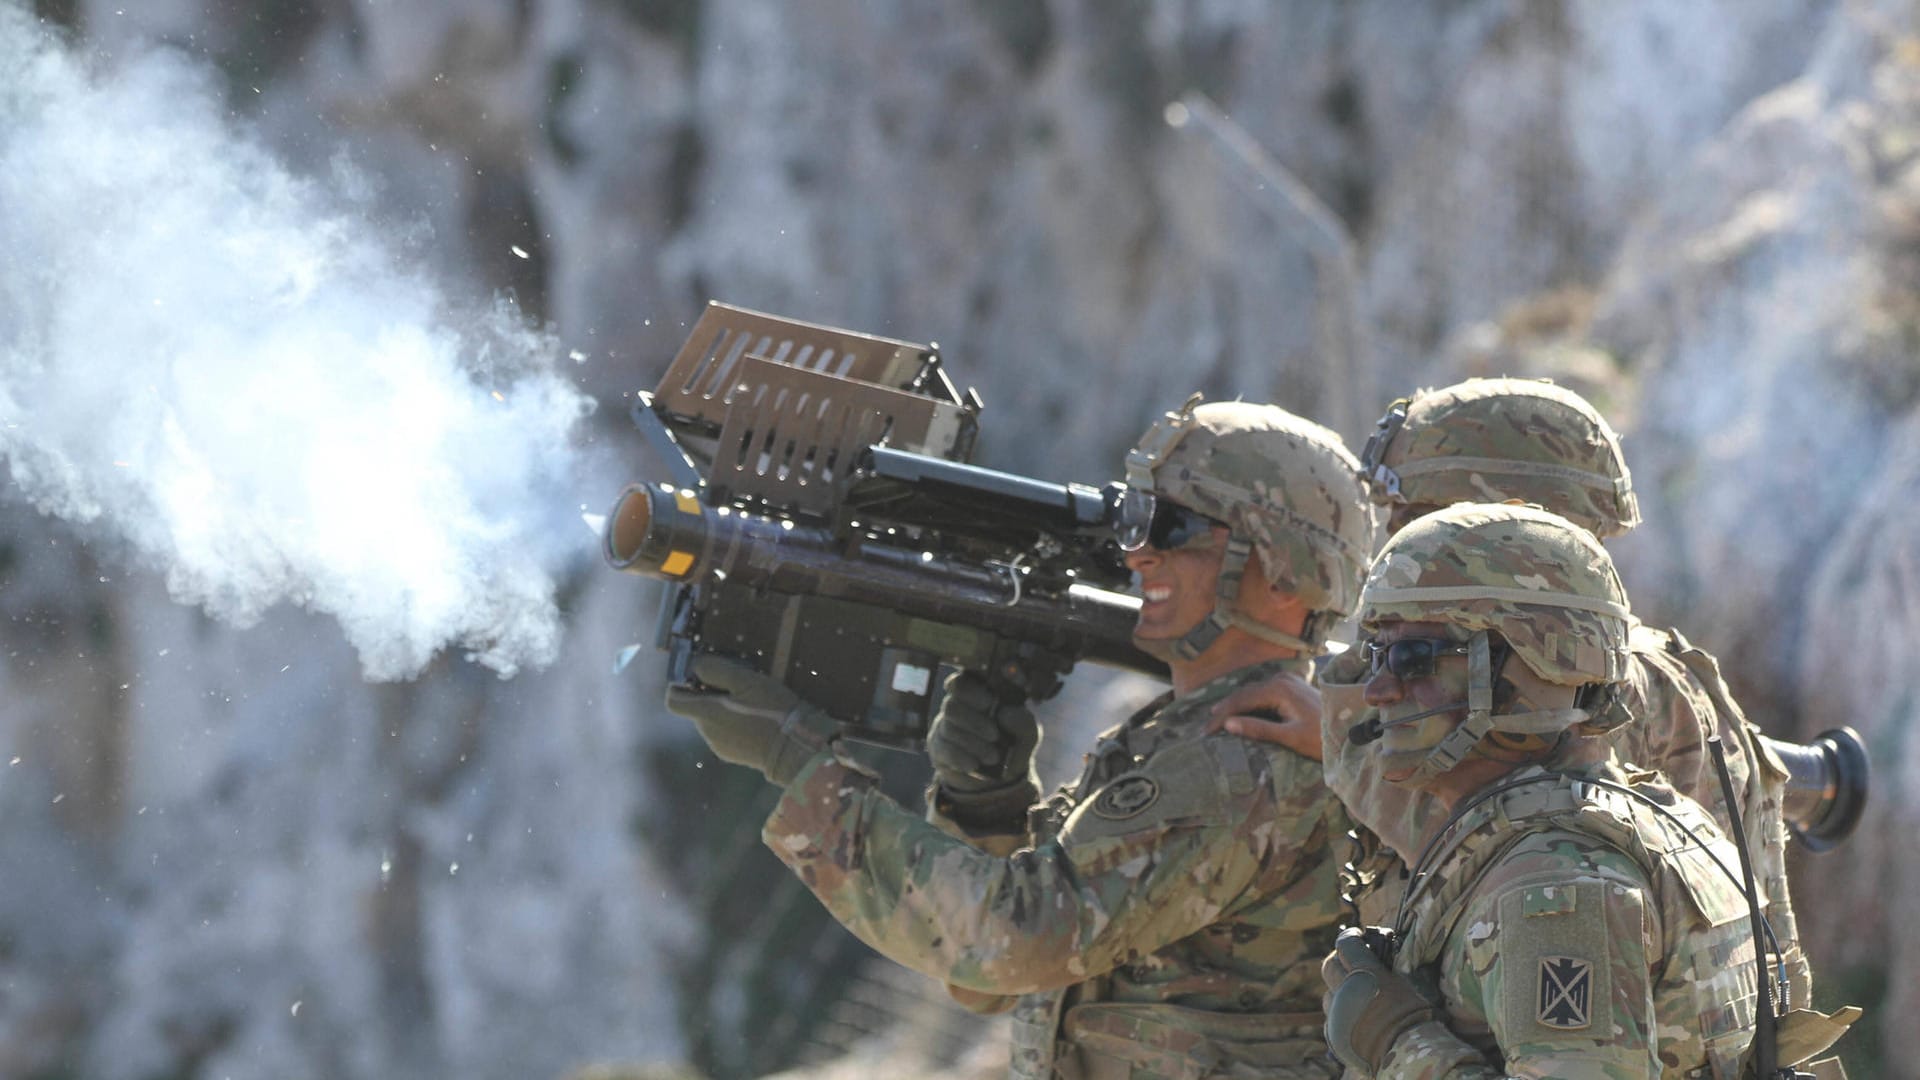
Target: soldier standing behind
1553,925
1166,914
1492,440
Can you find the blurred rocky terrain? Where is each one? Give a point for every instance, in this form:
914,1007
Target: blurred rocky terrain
227,855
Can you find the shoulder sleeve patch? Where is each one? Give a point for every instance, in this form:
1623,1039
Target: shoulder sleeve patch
1565,993
1126,796
1184,784
1554,959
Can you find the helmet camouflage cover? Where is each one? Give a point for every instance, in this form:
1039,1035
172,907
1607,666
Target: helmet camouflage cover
1286,484
1536,579
1492,440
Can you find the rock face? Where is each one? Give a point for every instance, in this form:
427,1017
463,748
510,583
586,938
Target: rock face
231,856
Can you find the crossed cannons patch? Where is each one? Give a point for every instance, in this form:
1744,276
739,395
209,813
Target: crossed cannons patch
1566,993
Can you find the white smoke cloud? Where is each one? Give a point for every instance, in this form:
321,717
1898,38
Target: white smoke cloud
229,368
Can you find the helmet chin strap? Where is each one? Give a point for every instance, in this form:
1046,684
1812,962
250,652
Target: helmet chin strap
1226,613
1458,743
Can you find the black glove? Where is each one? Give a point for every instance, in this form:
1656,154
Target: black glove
751,719
978,742
1368,1004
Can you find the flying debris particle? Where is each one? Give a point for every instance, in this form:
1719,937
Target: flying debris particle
15,761
386,869
123,464
452,869
624,658
296,1009
164,652
286,669
576,356
497,396
60,797
520,251
597,523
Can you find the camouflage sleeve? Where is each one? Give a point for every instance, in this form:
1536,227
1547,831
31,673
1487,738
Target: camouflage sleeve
1767,846
1000,830
1552,958
1152,857
1682,714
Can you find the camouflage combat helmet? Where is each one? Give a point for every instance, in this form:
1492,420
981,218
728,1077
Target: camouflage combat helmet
1541,583
1285,487
1492,440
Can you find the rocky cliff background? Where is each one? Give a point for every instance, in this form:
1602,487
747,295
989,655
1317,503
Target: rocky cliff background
227,853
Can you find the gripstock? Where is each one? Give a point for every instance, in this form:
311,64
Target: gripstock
822,524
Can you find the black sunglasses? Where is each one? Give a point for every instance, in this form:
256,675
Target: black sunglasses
1408,658
1164,526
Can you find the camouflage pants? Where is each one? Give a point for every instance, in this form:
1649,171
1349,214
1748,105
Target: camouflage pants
1114,1041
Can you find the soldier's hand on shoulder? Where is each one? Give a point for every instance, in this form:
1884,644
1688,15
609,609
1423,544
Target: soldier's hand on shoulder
749,718
1284,710
977,740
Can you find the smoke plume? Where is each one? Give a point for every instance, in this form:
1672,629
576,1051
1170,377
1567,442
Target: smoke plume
230,370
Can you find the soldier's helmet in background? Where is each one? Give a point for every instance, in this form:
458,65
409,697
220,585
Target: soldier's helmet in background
1494,440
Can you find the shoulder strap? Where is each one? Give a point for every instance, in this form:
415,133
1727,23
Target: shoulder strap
1702,665
1705,668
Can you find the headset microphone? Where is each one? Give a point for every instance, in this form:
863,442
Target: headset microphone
1372,729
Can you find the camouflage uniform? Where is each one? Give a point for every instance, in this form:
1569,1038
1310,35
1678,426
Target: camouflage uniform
1552,887
1167,916
1678,700
1673,716
1562,928
1491,440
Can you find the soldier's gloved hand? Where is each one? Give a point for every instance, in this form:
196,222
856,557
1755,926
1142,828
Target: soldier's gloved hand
978,742
751,719
1368,1004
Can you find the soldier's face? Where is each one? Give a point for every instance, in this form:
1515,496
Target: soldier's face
1439,692
1177,585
